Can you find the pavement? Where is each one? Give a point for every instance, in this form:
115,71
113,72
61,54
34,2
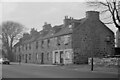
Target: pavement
82,67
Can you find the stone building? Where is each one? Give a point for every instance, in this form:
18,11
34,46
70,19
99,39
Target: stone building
118,39
72,42
92,38
118,32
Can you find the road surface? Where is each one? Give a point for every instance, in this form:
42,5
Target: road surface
49,71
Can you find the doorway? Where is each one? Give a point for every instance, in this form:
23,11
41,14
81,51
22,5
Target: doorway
42,58
61,57
55,57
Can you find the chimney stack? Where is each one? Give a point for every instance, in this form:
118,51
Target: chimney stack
93,15
67,20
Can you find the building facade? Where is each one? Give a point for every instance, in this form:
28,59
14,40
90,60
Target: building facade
118,38
92,38
68,43
118,31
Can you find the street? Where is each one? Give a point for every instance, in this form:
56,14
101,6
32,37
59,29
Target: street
48,71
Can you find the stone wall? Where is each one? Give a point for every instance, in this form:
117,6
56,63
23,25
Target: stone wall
105,61
118,38
92,38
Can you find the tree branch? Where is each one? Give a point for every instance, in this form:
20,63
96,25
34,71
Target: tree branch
104,11
117,16
109,23
104,4
109,7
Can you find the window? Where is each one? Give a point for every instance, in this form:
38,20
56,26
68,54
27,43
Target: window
29,56
66,39
36,56
42,44
23,56
26,47
23,47
36,44
30,46
47,56
19,48
48,43
67,54
58,40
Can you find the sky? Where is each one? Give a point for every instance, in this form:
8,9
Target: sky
34,14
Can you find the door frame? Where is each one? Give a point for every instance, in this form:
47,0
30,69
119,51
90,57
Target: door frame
55,58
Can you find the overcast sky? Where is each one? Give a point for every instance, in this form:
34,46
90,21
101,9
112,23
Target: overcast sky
34,14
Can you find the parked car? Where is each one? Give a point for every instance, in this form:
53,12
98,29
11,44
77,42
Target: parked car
4,61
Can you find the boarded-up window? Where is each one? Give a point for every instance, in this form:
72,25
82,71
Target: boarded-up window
65,39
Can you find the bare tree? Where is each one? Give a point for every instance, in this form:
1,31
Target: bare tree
111,6
10,32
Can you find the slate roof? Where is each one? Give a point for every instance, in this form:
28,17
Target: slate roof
63,31
67,29
55,31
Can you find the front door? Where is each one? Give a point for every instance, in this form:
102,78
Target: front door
61,57
42,58
56,57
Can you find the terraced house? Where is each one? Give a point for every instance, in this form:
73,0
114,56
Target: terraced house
69,43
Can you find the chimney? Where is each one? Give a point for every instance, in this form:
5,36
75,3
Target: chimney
46,26
67,20
93,15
